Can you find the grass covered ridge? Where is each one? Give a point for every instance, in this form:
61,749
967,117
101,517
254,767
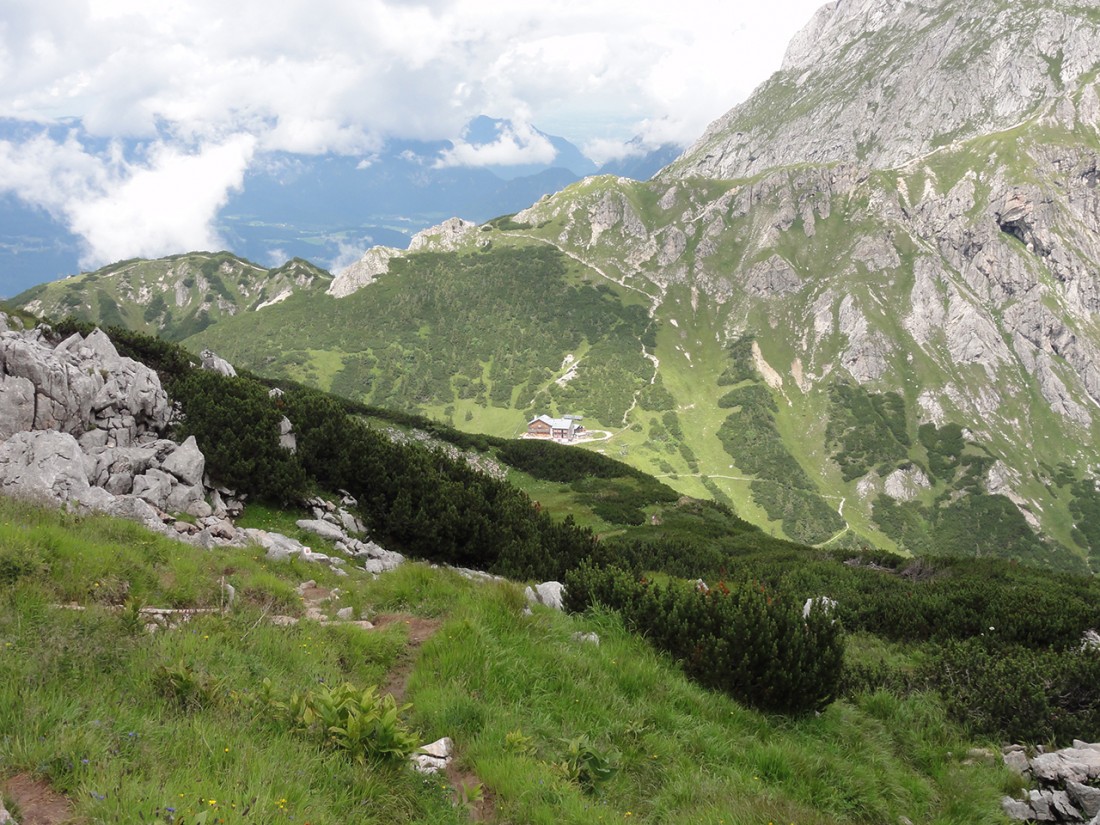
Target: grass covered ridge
84,704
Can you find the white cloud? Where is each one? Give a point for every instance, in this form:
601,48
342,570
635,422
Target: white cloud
277,257
207,84
163,203
515,144
335,75
346,255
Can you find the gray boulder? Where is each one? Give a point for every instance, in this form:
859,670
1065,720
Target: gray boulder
1076,764
549,594
211,361
383,562
434,757
186,462
1084,797
287,439
79,385
278,546
44,465
154,486
323,529
132,508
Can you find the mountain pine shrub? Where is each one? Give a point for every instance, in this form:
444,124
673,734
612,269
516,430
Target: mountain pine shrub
746,640
1020,694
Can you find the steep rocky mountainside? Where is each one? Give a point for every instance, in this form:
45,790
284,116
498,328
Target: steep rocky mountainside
172,297
882,83
862,309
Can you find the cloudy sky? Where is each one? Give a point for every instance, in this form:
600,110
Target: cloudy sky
208,86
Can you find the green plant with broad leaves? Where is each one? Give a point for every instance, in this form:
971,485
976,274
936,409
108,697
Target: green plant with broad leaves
359,722
588,765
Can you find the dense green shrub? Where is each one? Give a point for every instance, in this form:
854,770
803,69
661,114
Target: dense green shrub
422,502
945,447
656,397
976,524
1019,694
748,640
938,600
741,366
868,430
751,438
805,515
236,426
1085,507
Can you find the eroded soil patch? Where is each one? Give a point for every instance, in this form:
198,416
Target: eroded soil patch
38,803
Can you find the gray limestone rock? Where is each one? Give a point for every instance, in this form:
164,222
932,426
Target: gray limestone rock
132,508
772,278
16,405
869,79
434,757
186,462
865,356
278,546
287,439
1076,764
446,237
1063,808
906,484
1016,809
1018,761
375,262
1041,810
1086,798
549,594
350,523
323,529
45,465
211,361
154,486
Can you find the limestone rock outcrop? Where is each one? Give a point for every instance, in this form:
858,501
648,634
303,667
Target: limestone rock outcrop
215,363
452,234
375,262
1067,782
882,82
83,427
77,386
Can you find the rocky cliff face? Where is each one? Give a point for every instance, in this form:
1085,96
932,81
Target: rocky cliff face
82,426
883,83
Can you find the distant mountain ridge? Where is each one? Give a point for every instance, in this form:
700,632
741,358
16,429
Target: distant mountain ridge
853,328
321,206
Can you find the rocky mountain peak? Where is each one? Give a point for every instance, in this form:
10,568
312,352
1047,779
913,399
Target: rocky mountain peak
882,83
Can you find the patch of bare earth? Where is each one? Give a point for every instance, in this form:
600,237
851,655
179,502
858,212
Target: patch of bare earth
38,803
419,630
482,807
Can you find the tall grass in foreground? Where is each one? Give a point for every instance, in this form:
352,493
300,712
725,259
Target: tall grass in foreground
492,676
171,727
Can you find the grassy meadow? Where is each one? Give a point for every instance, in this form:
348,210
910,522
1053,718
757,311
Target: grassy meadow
179,725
